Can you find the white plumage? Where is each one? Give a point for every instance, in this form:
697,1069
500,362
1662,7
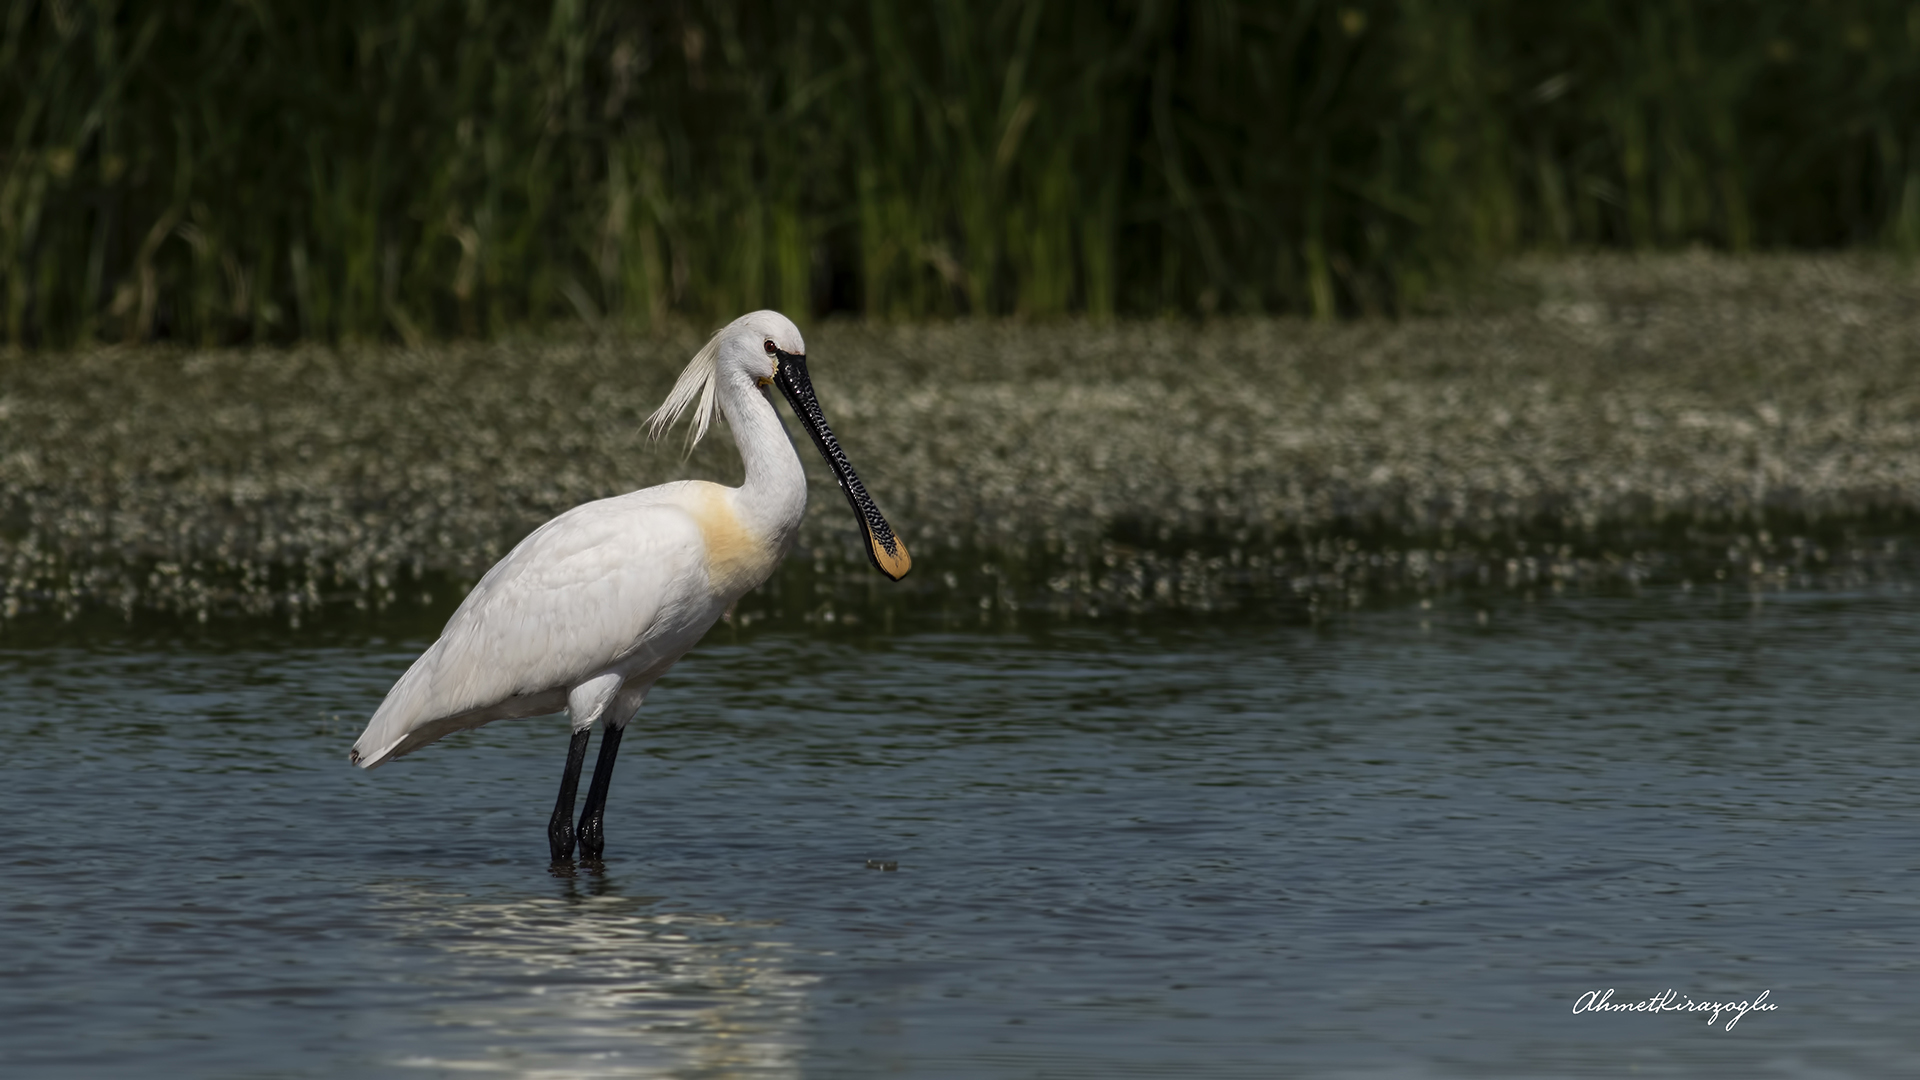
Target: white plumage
601,589
593,607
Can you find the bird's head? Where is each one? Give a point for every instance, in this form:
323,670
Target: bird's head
753,344
764,347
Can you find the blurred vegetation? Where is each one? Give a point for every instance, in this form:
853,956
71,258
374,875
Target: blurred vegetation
1748,423
223,172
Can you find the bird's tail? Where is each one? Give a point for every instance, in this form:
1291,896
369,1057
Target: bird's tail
395,728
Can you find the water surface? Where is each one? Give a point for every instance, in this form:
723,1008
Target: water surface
1400,843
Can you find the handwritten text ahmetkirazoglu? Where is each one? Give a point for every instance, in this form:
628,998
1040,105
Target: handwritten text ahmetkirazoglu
1601,1001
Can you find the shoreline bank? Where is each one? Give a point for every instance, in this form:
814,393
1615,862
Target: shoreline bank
1595,419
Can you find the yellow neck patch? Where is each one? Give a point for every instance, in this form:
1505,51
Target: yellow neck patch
737,559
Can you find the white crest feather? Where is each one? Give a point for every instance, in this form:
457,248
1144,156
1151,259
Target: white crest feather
696,381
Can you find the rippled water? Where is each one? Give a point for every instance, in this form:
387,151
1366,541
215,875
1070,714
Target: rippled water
1401,843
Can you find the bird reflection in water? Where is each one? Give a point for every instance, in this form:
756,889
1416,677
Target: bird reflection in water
589,982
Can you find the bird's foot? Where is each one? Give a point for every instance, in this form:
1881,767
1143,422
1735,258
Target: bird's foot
592,842
560,840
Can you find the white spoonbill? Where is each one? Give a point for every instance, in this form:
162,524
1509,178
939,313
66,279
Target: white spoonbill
594,606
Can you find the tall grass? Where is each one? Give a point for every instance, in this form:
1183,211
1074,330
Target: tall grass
223,172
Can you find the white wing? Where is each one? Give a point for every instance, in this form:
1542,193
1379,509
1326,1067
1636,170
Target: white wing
590,589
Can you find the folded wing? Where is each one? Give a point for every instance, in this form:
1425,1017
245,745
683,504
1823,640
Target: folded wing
584,592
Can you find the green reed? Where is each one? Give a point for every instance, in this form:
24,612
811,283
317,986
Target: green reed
442,168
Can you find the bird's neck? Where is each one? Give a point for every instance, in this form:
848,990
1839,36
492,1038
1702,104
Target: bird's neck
774,497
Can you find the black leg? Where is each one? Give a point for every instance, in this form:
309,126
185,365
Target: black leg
560,827
592,842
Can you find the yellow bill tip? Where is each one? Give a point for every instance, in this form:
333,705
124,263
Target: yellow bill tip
892,559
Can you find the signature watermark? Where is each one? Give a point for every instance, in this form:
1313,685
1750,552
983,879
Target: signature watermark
1601,1001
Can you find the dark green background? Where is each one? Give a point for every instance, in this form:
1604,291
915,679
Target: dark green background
243,171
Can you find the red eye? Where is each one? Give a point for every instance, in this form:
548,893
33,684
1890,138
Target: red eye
769,346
